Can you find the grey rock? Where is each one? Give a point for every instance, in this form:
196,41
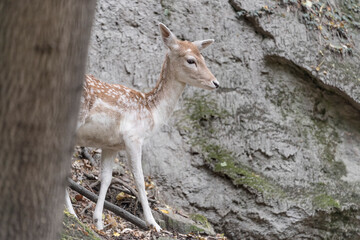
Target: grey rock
174,222
291,134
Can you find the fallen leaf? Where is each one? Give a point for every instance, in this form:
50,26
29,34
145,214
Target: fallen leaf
122,196
116,234
112,221
164,211
79,197
149,185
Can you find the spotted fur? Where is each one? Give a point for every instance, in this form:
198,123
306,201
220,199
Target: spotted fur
114,117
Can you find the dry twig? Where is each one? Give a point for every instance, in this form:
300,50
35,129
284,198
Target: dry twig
86,208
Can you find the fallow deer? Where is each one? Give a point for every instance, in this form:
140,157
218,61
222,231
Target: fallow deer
114,117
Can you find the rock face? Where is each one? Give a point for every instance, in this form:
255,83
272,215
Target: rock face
274,153
74,229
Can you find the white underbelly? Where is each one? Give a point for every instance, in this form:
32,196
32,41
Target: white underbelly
100,131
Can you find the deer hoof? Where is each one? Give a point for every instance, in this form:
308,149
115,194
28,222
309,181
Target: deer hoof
98,223
155,226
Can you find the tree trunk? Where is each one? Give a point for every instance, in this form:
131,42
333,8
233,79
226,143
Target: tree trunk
43,48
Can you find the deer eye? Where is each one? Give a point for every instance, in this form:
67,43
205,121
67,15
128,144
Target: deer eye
191,61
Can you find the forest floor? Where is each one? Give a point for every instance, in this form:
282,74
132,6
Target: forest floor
120,193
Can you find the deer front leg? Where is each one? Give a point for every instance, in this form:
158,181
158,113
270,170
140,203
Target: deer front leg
133,149
107,162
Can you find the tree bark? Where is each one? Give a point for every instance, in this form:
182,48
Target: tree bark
43,49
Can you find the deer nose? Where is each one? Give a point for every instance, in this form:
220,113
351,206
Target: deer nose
216,83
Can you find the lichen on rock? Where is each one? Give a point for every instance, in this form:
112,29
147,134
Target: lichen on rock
272,154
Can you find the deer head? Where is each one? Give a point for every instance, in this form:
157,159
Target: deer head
188,64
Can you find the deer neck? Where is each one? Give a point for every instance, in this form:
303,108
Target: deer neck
163,98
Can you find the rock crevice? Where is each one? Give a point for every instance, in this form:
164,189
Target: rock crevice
274,153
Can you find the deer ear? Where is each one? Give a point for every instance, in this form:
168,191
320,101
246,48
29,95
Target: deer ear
203,43
168,37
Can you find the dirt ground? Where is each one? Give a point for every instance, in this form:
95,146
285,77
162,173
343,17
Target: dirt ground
122,194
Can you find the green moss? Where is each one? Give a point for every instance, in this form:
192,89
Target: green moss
328,138
200,219
214,152
195,229
73,229
222,161
241,175
203,108
197,224
203,112
167,7
337,169
324,201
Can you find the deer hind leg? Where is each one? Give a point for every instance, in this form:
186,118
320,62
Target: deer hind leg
133,149
69,206
107,162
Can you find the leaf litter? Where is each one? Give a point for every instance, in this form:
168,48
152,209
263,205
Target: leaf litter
117,228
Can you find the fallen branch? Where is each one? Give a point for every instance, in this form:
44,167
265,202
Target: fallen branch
90,176
107,205
87,155
94,184
86,208
132,190
120,189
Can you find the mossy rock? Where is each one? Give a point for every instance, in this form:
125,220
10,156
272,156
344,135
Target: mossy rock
171,221
202,220
203,111
73,229
324,201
